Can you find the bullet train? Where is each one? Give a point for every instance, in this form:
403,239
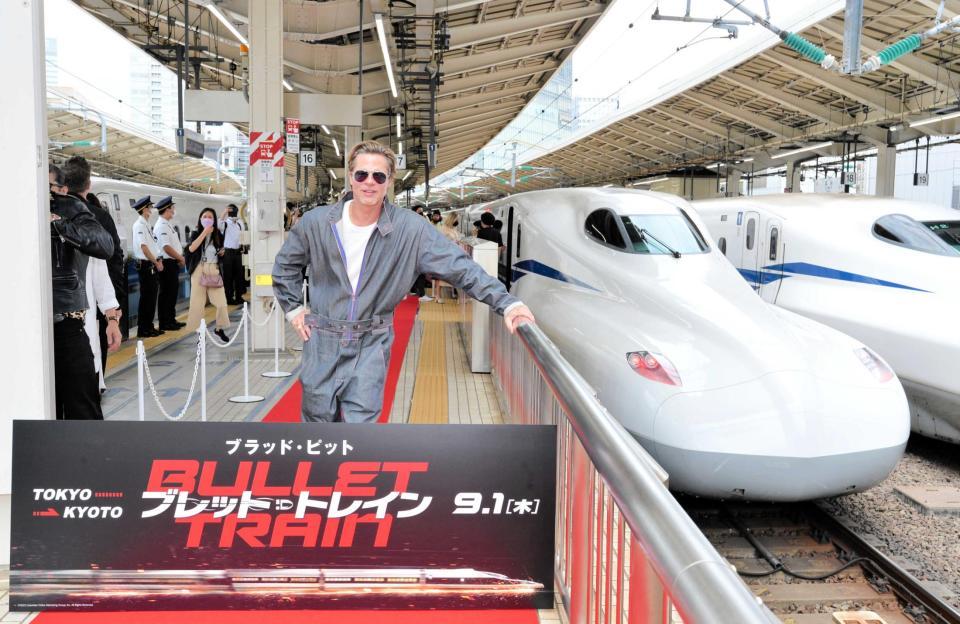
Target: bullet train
885,271
117,196
734,397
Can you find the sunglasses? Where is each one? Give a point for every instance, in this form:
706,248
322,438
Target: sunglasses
361,176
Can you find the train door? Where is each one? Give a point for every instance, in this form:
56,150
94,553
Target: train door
772,274
750,259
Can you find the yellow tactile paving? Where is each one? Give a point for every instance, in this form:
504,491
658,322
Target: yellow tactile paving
429,404
128,351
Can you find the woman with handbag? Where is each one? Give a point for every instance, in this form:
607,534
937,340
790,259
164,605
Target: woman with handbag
204,259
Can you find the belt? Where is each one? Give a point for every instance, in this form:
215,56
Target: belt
141,263
78,315
341,326
230,250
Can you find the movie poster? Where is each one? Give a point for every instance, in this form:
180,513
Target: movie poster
136,516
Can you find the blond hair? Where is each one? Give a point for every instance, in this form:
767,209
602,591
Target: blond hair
373,147
451,219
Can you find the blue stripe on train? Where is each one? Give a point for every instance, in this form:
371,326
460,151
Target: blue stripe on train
779,271
538,268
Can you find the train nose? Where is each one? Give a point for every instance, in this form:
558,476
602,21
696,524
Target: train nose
784,436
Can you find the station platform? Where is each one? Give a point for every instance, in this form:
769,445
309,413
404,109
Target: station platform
429,382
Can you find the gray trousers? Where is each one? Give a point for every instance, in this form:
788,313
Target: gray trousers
344,369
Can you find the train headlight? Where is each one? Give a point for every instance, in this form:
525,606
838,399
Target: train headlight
877,367
654,367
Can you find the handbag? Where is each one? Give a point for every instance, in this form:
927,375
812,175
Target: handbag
211,281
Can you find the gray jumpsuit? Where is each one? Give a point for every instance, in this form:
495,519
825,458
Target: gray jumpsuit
345,360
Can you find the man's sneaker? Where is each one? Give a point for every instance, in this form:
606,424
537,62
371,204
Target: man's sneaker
426,298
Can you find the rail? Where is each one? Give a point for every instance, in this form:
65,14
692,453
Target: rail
626,552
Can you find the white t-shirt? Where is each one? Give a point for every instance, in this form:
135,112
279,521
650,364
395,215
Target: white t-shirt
354,239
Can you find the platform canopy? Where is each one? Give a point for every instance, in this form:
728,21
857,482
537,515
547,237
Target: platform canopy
750,115
470,65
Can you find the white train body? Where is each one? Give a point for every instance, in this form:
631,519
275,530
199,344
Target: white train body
766,404
117,196
830,262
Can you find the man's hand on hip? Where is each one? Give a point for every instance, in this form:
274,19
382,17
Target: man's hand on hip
299,323
517,315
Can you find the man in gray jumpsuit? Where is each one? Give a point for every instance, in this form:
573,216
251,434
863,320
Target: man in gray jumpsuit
362,254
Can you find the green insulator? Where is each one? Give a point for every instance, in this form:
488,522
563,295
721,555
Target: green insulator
895,51
809,50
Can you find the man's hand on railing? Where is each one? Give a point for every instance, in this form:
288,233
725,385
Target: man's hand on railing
516,315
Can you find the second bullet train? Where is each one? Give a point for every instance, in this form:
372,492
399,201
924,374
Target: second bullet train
734,397
886,271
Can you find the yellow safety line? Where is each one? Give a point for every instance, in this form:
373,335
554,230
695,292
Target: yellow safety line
128,350
429,404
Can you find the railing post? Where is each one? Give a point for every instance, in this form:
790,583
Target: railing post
580,510
246,397
647,603
140,356
203,369
276,372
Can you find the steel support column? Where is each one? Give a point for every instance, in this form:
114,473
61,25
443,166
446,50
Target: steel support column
266,115
886,171
27,380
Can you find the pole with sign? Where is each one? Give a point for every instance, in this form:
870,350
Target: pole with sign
293,136
308,158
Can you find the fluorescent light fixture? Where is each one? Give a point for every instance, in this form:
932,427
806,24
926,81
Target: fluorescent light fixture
747,159
934,119
223,20
898,127
399,126
399,148
809,148
336,147
714,166
382,35
332,174
639,182
325,129
606,186
286,85
409,173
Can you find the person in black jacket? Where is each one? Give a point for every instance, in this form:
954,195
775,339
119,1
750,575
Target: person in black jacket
74,235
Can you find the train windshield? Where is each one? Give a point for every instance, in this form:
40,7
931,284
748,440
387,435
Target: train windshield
907,232
949,231
663,234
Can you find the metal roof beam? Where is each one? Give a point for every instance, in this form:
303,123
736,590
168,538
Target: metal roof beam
748,117
495,30
473,62
458,85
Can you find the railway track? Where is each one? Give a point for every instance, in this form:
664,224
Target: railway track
807,566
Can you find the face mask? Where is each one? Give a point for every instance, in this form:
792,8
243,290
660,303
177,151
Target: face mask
206,222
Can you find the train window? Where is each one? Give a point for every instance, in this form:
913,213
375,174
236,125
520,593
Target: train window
116,202
722,244
906,232
602,225
949,231
774,241
751,232
663,234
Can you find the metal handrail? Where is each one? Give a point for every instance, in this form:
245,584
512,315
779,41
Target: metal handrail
701,584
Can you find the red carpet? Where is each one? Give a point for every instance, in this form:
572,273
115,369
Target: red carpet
292,617
287,409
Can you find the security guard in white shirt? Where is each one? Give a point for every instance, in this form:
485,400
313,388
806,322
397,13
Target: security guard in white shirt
231,227
171,254
147,253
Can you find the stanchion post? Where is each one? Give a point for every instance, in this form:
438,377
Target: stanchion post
246,397
276,372
203,370
140,357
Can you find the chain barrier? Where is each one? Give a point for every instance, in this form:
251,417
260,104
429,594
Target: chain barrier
215,341
273,308
144,367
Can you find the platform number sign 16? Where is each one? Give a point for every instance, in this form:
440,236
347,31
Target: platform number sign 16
308,158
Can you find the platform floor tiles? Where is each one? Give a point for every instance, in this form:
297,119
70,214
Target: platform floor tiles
436,385
171,366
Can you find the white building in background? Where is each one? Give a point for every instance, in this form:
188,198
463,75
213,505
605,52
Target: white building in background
152,92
